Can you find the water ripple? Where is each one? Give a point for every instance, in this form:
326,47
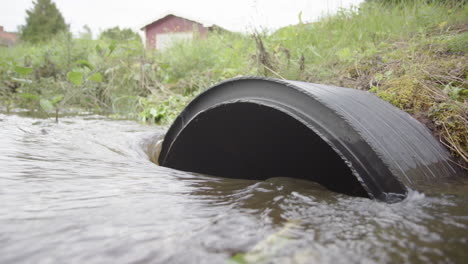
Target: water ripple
85,191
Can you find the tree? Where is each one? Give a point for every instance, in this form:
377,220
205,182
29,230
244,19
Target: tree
118,34
43,21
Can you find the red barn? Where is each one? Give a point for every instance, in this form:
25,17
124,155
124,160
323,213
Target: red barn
162,32
7,39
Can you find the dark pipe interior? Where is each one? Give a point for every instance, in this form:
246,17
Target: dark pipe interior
251,141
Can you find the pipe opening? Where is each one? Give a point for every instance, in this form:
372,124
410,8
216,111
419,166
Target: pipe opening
252,141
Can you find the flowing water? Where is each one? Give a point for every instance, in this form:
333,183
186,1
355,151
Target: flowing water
85,191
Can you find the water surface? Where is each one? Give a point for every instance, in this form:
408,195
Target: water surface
85,191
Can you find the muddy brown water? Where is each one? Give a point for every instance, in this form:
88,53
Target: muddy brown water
85,191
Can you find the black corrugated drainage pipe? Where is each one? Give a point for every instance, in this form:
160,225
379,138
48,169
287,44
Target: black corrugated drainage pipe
348,140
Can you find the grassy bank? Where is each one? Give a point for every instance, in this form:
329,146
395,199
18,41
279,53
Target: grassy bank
412,55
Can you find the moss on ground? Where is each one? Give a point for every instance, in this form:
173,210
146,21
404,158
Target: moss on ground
427,79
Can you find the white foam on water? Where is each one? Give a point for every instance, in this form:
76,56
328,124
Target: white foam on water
413,196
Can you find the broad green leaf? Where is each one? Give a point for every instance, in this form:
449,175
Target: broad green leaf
75,77
84,63
29,96
97,77
57,99
23,70
46,105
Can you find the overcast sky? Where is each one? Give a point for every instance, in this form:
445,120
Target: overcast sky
236,15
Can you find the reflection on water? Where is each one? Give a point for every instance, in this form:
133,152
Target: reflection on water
85,191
